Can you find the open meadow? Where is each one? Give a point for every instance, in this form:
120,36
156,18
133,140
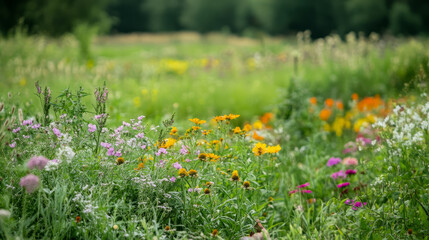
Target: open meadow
184,136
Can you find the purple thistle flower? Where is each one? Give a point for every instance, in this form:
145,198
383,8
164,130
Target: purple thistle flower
177,165
341,185
350,172
333,161
92,128
37,162
57,132
30,183
303,185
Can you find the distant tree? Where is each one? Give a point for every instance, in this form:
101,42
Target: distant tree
207,15
367,15
164,15
129,16
403,21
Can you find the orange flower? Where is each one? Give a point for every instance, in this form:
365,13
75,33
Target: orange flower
247,127
78,219
266,117
237,130
329,102
355,96
340,105
313,100
231,116
197,121
257,137
173,131
325,114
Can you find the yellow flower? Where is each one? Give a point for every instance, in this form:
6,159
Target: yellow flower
246,184
247,127
237,130
166,143
183,172
259,149
173,131
115,227
235,176
213,157
197,121
206,132
219,118
207,191
202,156
258,125
193,173
231,116
273,149
195,128
167,228
120,160
140,166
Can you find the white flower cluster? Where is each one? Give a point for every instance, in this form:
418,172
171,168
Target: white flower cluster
407,126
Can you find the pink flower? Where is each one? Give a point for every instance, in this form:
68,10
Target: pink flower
184,150
37,162
36,126
105,145
143,147
30,183
92,128
140,117
341,185
160,151
12,145
293,192
110,152
16,130
357,205
350,172
306,191
118,153
333,161
57,132
177,165
187,160
27,122
349,202
173,179
341,173
140,135
350,161
303,185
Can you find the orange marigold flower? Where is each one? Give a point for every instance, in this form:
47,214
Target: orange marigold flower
214,233
266,117
329,102
355,96
195,128
206,132
325,114
257,137
313,100
197,121
139,167
259,149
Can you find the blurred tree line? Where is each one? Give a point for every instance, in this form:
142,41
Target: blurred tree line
277,17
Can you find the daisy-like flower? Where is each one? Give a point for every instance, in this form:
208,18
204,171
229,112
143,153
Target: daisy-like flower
273,149
202,156
207,191
246,184
197,121
183,172
237,130
173,131
214,233
259,149
235,176
120,160
193,173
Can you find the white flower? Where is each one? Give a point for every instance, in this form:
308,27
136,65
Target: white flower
4,213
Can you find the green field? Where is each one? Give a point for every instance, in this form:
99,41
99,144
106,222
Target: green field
329,111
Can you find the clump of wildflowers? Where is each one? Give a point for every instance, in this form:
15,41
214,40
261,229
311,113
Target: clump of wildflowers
38,162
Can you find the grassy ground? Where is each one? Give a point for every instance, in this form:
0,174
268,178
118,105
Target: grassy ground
316,168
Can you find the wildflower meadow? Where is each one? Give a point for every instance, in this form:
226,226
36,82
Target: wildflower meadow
287,138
